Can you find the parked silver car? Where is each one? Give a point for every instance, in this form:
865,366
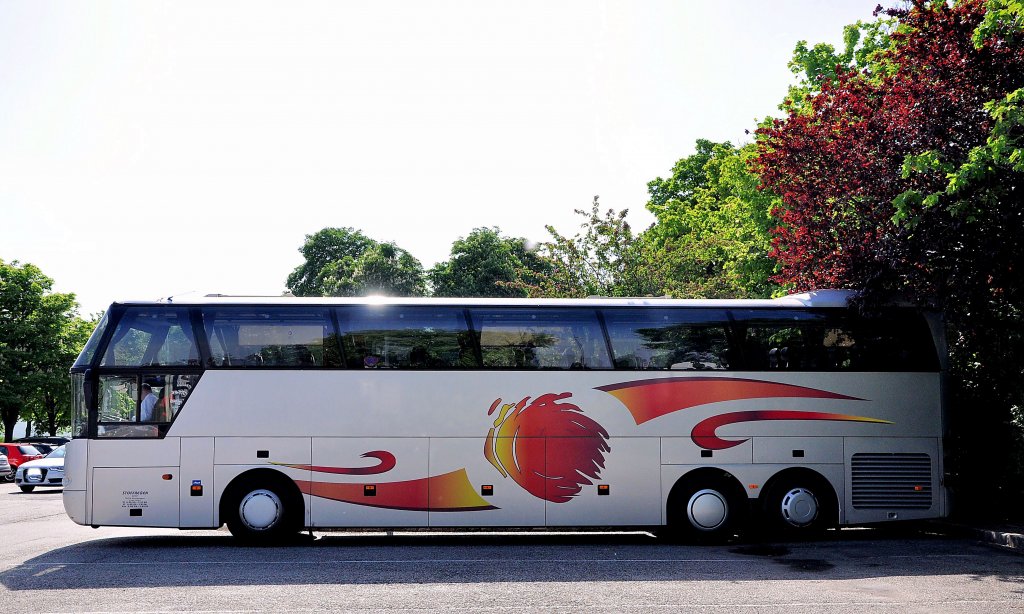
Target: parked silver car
5,468
48,471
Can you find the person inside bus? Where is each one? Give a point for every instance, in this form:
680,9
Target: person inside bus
148,404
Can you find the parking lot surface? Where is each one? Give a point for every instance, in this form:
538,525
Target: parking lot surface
50,564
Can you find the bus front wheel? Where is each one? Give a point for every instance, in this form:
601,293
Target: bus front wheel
262,510
705,508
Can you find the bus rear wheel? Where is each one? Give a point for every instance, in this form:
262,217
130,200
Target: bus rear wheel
262,511
799,505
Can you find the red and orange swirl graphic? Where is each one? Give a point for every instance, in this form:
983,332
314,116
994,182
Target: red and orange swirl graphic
652,398
548,446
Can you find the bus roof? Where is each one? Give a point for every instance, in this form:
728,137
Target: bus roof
816,298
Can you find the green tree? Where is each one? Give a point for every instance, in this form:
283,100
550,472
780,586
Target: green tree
31,321
816,66
329,254
345,262
713,230
385,268
49,409
484,263
603,259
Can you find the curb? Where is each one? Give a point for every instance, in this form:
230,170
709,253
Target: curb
1003,537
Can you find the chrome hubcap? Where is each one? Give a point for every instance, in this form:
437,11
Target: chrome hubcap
799,507
707,509
260,510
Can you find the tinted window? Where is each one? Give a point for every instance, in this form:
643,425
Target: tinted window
681,339
271,337
29,450
85,358
834,341
394,337
58,453
152,337
540,339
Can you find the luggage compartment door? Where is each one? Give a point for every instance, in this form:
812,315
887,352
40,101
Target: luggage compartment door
135,497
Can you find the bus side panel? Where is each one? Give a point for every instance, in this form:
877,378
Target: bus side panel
369,482
798,451
893,478
631,474
509,505
134,452
127,474
196,507
682,451
135,497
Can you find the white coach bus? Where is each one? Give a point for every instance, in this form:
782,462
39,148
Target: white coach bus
700,417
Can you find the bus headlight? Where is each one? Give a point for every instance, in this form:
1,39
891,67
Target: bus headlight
33,474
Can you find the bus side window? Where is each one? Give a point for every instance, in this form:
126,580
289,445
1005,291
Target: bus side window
406,337
271,337
783,340
678,339
513,338
790,340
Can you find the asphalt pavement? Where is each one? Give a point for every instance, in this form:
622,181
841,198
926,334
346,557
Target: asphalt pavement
49,564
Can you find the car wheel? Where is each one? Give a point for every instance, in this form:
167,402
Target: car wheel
262,511
27,488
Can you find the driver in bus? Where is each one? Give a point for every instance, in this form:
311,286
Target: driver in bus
148,404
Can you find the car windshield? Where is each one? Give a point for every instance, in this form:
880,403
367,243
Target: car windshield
29,450
58,453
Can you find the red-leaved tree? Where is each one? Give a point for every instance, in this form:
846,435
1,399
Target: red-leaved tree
896,180
839,165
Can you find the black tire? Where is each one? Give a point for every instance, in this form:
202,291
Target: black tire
705,509
27,488
263,509
798,506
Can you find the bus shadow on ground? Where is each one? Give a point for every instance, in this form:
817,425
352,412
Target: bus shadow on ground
353,558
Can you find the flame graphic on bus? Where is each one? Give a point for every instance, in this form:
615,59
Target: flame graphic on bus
652,398
449,492
704,433
548,446
387,463
648,399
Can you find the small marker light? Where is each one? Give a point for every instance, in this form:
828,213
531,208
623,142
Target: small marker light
604,489
167,476
918,488
369,490
752,486
487,490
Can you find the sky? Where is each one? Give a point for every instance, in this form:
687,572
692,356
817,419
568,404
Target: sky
150,149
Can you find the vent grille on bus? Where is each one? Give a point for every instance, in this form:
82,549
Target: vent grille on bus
896,481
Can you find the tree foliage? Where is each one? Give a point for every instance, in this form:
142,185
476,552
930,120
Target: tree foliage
907,182
48,410
345,262
603,259
712,235
814,67
485,263
32,322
